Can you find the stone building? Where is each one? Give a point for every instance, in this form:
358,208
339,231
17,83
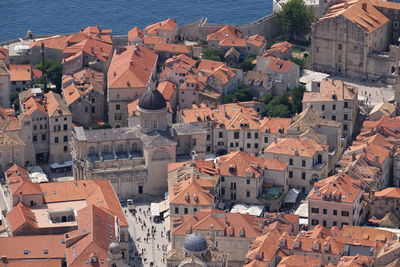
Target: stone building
167,29
353,39
135,158
308,160
51,124
5,85
11,150
235,126
336,201
383,202
336,101
131,72
83,93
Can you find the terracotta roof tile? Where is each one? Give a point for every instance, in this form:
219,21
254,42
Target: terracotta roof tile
332,90
279,65
224,33
14,247
173,48
165,25
131,68
295,146
390,192
338,188
134,33
191,192
54,42
300,261
21,218
20,72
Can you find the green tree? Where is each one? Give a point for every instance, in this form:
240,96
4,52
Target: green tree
247,64
213,54
52,71
241,94
279,110
267,97
14,99
295,19
296,94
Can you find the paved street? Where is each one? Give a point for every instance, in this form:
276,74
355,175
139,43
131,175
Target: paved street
149,246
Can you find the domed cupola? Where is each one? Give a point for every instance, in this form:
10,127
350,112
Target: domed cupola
152,100
195,244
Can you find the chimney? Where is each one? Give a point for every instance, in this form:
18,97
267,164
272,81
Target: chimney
364,6
346,5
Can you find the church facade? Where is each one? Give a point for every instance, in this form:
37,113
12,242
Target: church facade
135,158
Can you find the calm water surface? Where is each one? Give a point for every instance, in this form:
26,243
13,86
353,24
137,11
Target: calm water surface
52,16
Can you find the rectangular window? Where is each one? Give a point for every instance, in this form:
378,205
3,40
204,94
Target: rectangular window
303,175
247,193
223,191
186,211
344,127
220,134
303,163
93,109
34,138
291,162
231,145
346,104
248,135
345,213
333,107
335,212
208,137
314,222
233,196
290,174
256,135
324,211
247,181
256,145
323,107
176,210
248,145
65,138
65,127
56,140
333,117
324,223
236,135
43,137
340,46
117,107
65,148
314,210
222,178
345,117
265,139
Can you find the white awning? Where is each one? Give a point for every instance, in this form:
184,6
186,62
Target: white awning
255,210
155,209
291,196
61,165
302,210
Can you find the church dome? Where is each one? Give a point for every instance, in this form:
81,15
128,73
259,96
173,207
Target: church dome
195,243
152,100
114,248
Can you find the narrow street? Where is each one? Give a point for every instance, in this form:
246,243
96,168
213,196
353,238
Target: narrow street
149,240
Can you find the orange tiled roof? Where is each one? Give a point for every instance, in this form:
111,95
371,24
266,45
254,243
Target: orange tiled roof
80,43
390,192
172,48
358,233
21,217
3,53
355,261
54,105
14,247
191,192
131,68
339,188
167,89
241,164
265,247
233,224
368,17
20,72
300,261
282,46
96,32
134,33
275,125
165,25
224,33
332,90
97,192
295,147
96,231
279,65
233,42
54,42
152,40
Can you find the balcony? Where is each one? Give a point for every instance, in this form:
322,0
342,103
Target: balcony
116,160
272,193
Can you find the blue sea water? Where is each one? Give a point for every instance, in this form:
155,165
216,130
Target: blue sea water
66,16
